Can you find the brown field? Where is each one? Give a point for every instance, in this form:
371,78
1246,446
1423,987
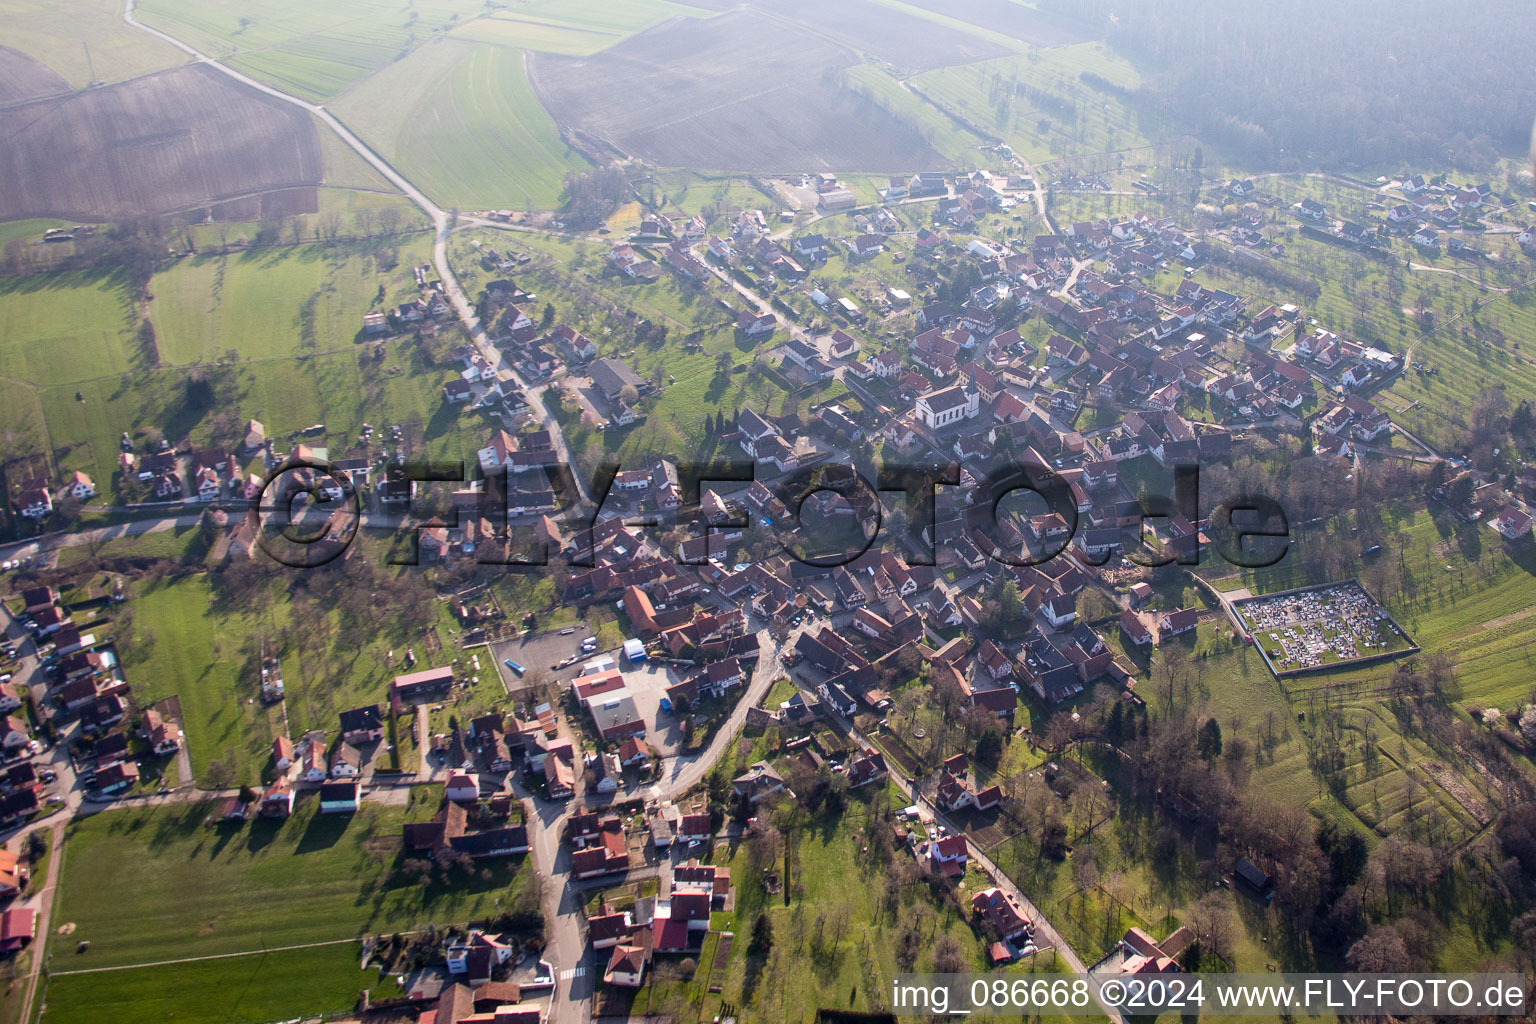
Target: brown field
24,77
739,92
171,141
1022,23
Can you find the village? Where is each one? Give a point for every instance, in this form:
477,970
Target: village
714,621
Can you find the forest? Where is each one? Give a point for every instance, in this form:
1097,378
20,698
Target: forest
1304,83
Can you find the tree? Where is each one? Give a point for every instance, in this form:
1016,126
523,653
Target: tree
547,317
592,196
948,957
765,848
1208,743
1093,606
629,395
1211,921
762,936
989,747
1380,951
1346,851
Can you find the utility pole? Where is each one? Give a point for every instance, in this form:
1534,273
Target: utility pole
90,66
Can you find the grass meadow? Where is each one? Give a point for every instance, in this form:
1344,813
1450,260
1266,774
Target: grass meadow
150,884
250,989
277,302
54,34
461,122
576,27
188,643
311,50
1037,102
291,316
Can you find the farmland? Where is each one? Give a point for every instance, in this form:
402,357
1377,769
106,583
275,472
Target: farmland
170,141
578,27
1025,24
890,36
53,33
311,50
940,131
781,112
462,122
23,77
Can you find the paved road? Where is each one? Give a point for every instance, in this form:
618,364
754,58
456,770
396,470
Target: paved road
574,1003
442,221
29,674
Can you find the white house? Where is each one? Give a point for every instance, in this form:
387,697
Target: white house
939,409
463,787
80,487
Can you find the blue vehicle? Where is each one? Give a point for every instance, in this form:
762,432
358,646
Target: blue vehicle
515,667
666,705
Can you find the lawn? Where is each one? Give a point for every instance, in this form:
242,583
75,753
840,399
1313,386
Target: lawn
144,885
461,122
241,990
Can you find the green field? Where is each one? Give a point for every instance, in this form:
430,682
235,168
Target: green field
203,651
54,34
276,302
311,50
578,27
145,885
70,346
244,990
938,130
1062,116
21,418
461,122
62,328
